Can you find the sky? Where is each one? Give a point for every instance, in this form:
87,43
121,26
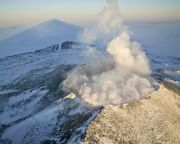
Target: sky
83,12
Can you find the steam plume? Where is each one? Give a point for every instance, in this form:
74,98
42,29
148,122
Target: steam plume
123,75
108,25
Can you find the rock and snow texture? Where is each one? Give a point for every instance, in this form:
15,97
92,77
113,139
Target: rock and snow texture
38,37
38,63
152,120
33,103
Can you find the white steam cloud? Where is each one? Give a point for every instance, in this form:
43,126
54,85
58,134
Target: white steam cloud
108,25
123,75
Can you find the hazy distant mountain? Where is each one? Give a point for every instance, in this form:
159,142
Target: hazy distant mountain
38,37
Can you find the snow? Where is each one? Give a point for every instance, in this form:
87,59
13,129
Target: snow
40,126
35,129
7,32
19,65
22,111
7,91
25,95
173,82
35,114
162,39
29,111
172,72
38,37
18,108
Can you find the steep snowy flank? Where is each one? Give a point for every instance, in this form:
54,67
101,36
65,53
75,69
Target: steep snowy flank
38,37
32,101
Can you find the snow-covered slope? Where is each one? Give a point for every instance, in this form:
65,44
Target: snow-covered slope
38,37
32,100
7,32
32,104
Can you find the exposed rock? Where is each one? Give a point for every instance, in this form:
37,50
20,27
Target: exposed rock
73,44
153,120
50,48
69,44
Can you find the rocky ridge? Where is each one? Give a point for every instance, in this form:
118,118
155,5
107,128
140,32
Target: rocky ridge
155,119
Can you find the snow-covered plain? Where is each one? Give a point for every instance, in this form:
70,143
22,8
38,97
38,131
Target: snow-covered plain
38,37
162,39
32,104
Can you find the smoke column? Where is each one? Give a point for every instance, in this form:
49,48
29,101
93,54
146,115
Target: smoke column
123,75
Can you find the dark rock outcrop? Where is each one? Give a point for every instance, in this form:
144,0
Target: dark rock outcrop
71,44
50,48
